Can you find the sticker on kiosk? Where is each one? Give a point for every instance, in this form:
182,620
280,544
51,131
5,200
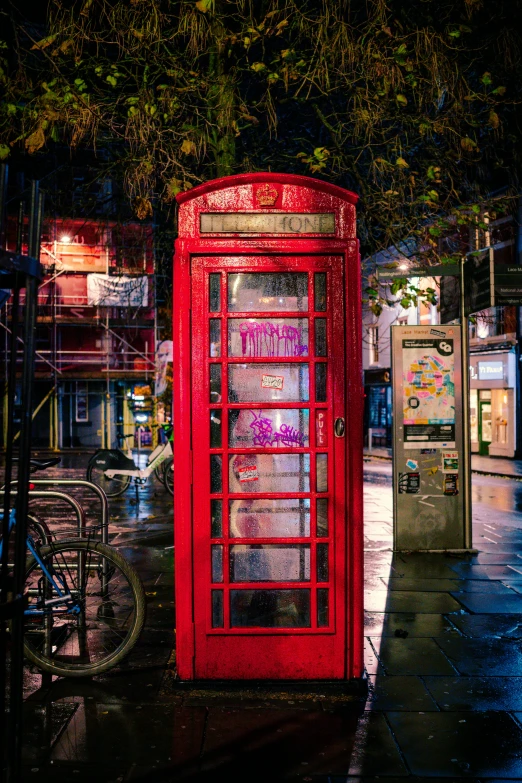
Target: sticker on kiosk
248,473
272,382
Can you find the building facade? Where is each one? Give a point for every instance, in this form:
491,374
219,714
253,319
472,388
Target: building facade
96,334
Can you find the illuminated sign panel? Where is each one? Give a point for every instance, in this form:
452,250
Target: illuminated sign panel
491,371
267,223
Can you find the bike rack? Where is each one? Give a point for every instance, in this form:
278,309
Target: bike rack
104,525
78,510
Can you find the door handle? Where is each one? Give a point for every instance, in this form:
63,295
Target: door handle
339,427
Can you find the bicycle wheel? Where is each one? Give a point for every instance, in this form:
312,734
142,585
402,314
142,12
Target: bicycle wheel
109,617
169,476
112,487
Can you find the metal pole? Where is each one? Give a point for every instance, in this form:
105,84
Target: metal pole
17,658
466,433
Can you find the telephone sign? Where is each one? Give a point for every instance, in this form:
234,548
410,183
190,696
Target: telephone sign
268,431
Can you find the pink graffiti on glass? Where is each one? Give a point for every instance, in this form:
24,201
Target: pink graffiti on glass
264,434
268,339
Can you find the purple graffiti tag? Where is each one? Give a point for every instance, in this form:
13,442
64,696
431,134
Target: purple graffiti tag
264,434
262,429
289,436
268,339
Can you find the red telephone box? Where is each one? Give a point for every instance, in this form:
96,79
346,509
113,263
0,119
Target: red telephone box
268,408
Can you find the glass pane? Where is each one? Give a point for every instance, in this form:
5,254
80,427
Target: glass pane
320,337
269,473
216,518
261,518
215,383
270,563
320,382
320,291
216,481
322,517
322,472
268,337
214,293
262,292
270,608
215,429
215,336
217,562
322,562
322,607
217,609
268,383
287,427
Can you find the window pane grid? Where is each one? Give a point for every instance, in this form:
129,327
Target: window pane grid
315,607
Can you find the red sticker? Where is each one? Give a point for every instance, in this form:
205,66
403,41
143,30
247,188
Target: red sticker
248,473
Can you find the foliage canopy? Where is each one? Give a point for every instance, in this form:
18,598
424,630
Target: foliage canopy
411,103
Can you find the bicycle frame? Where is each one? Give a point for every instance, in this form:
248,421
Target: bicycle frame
56,581
159,455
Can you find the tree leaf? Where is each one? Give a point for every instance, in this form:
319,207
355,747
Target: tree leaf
188,147
468,144
35,141
204,5
45,42
401,99
494,119
402,164
4,151
258,67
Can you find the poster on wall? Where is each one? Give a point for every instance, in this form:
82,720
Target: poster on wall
428,391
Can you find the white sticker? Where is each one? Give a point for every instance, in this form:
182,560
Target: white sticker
450,461
248,473
412,464
272,382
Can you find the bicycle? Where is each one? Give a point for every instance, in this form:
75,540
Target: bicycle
113,470
85,606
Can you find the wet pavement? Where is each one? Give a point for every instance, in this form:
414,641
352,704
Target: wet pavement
443,654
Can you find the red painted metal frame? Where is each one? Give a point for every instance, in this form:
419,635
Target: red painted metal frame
237,194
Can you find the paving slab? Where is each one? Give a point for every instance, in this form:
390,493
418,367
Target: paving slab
447,585
372,664
484,657
74,773
418,625
269,745
476,693
412,656
410,601
502,557
43,723
498,572
398,693
465,744
481,603
489,626
423,565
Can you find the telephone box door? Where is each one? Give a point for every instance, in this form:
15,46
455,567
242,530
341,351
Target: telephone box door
269,474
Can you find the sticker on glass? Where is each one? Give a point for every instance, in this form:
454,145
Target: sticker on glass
450,461
248,473
272,382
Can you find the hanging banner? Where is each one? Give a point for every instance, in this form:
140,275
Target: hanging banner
120,291
163,357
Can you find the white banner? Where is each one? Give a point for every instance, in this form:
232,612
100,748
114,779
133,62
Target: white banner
121,291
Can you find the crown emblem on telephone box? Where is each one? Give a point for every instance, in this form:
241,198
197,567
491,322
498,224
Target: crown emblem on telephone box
267,195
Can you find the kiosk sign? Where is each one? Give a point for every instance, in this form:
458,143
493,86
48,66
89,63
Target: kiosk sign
428,440
428,392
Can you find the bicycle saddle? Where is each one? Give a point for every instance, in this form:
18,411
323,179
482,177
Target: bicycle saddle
42,464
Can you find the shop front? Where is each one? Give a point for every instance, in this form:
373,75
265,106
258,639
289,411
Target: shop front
492,403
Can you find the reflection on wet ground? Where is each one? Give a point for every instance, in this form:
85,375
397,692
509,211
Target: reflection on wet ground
443,658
